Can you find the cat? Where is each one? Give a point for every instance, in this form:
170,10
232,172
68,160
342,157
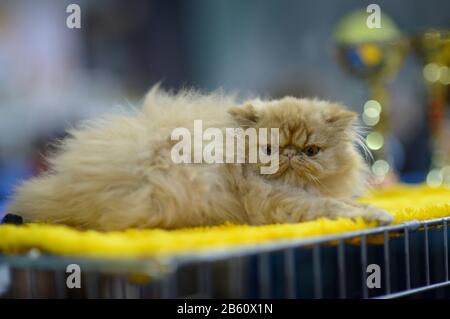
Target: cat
116,172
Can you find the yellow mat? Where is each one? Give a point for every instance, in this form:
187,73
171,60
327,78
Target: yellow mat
404,202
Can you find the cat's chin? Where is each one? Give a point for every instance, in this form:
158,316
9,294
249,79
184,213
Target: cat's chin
287,175
282,171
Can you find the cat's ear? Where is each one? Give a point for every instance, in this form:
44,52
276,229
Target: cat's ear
341,118
246,114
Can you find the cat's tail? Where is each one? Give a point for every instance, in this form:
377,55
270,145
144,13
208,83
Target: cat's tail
39,200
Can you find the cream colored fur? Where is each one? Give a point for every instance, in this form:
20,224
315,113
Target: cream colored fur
117,173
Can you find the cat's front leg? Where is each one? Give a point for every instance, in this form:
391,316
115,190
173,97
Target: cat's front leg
371,213
334,208
279,206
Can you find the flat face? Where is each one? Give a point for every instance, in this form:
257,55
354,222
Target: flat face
315,138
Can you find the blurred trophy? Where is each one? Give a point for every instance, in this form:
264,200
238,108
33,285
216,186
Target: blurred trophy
373,55
433,47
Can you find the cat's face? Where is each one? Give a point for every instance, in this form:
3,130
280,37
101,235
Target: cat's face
316,140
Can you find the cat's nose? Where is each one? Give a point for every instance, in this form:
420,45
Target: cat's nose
289,153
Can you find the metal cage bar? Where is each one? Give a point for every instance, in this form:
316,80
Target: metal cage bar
387,269
342,273
413,258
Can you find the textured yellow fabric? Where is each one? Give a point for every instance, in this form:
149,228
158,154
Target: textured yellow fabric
404,202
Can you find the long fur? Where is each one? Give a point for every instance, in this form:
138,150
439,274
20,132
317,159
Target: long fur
116,172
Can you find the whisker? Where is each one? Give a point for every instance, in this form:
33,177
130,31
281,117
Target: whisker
360,141
314,179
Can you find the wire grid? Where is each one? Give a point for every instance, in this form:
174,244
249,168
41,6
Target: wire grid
412,258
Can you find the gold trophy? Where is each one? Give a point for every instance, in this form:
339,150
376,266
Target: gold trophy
373,54
433,47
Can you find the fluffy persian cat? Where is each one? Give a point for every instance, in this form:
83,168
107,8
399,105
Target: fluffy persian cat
117,172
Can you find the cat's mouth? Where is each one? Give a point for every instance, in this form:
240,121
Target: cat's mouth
295,164
291,160
288,163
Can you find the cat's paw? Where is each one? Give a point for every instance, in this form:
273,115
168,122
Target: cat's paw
372,213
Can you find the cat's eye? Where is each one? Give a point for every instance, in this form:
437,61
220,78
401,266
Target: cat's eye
311,150
267,149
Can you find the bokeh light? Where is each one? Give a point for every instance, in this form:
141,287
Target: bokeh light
444,75
372,106
371,114
435,178
375,140
431,72
380,167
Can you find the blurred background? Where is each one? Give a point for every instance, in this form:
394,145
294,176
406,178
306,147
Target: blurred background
52,77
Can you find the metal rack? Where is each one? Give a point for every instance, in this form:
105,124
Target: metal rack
412,259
